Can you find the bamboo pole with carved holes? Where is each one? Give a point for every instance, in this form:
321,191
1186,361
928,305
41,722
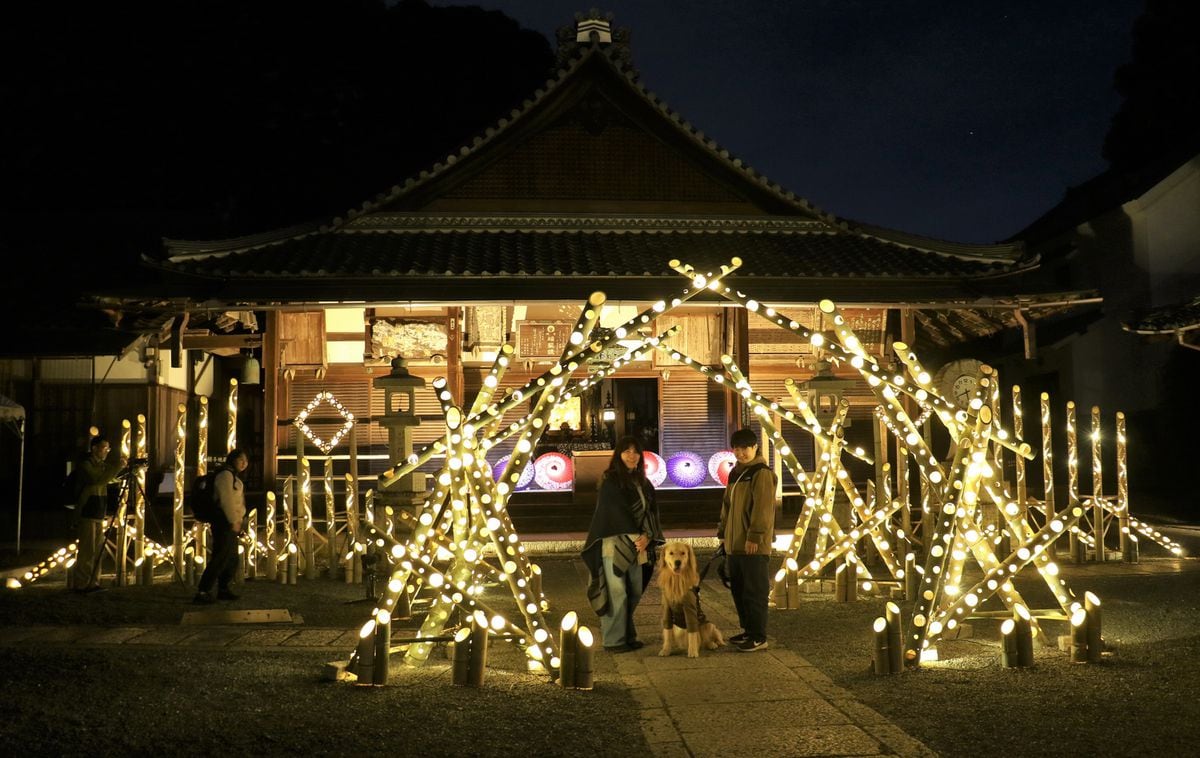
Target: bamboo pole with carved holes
231,428
122,557
143,565
271,569
331,550
1097,486
250,549
353,572
1048,507
1123,492
305,514
1073,479
200,542
177,533
1019,461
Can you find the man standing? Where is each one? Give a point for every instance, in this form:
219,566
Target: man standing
97,472
747,529
222,566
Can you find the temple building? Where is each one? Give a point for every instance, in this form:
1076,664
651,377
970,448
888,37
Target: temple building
593,183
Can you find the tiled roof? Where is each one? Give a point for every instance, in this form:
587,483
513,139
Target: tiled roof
1168,319
529,253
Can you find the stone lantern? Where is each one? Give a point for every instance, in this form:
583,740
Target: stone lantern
824,392
399,417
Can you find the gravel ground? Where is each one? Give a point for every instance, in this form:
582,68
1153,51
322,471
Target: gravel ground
65,700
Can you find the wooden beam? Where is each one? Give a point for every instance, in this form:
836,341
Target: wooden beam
221,341
1029,329
178,324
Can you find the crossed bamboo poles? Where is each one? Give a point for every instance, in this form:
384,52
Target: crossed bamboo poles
466,519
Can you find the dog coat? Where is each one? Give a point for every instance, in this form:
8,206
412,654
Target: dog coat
687,614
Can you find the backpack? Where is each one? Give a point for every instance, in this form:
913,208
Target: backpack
71,490
206,505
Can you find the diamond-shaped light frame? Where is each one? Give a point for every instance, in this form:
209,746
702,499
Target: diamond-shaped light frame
301,421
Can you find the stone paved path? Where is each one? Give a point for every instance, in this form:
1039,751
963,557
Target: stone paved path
725,703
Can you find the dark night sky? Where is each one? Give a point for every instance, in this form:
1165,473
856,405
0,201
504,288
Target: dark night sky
959,120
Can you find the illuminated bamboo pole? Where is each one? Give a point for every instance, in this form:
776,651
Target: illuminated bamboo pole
1097,486
895,638
353,570
305,515
1023,632
122,551
249,564
200,540
177,533
1048,507
902,490
231,428
1079,652
1095,640
1019,461
290,572
330,518
566,646
383,648
881,662
1126,544
143,568
272,557
1076,545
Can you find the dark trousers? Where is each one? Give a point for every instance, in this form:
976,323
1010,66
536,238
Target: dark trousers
750,577
222,565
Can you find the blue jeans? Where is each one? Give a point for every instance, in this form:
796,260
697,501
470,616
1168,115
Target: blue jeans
624,592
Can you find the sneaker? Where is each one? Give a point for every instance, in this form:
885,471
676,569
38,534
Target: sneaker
226,595
617,649
635,644
204,598
737,639
749,646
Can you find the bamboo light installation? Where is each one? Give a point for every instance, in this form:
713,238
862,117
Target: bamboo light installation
199,528
466,515
143,568
305,514
271,566
331,552
1076,545
955,493
1098,519
122,549
178,535
231,417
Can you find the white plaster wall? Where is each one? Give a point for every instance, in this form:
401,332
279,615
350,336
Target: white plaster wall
1167,234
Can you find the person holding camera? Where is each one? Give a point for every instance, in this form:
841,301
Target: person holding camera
222,566
97,472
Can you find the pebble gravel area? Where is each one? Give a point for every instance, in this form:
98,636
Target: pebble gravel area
76,679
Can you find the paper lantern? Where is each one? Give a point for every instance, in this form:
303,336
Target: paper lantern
656,467
553,471
686,469
526,475
720,464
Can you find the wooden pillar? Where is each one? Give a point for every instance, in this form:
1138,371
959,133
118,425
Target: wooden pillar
454,369
270,363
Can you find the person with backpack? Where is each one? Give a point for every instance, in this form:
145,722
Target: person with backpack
229,492
746,530
96,471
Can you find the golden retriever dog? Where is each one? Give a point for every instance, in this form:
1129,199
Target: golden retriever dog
679,580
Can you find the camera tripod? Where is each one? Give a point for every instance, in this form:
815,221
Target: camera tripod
116,532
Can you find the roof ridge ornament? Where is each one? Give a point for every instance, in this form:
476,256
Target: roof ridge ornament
593,29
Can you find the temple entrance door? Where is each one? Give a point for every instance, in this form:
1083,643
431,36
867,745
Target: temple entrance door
636,401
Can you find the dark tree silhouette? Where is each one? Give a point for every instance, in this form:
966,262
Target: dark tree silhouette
213,118
1160,117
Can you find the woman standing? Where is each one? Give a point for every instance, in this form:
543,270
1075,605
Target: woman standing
223,564
620,545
